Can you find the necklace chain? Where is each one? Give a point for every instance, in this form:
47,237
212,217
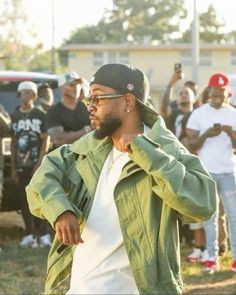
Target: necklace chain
25,115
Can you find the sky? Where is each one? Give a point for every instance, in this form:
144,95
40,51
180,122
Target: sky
71,14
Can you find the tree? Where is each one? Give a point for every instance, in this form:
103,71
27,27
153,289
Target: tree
14,26
12,22
134,21
150,21
210,29
85,35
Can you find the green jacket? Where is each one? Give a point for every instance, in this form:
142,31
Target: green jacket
161,182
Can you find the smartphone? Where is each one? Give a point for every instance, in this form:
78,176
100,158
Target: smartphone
177,67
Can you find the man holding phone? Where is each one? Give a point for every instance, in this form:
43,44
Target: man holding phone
211,130
168,102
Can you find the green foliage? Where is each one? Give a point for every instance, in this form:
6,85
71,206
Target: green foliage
86,35
42,62
16,54
152,22
134,21
129,21
210,28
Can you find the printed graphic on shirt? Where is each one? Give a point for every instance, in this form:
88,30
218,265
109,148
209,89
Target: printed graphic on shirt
27,149
28,138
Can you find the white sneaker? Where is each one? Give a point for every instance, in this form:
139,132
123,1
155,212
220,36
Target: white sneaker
28,241
45,240
195,255
204,256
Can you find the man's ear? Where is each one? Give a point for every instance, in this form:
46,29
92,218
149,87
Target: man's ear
130,102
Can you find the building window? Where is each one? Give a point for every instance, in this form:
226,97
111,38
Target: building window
204,58
72,55
233,58
102,57
186,58
97,59
124,57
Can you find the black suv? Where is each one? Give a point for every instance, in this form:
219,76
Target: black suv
9,81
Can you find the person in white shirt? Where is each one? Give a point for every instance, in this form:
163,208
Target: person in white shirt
211,130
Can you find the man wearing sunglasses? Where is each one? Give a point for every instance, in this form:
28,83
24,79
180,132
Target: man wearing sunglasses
114,196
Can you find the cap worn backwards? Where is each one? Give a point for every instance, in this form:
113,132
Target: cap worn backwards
124,79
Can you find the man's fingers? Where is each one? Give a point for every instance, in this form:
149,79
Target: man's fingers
67,229
65,237
73,234
58,235
69,235
76,236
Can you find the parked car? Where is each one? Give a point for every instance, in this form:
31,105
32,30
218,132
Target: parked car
9,81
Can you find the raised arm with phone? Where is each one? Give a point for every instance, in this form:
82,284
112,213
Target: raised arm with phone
177,75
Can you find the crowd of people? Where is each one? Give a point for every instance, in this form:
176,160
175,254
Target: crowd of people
206,125
118,185
35,132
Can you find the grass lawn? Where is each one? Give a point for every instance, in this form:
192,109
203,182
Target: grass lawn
22,270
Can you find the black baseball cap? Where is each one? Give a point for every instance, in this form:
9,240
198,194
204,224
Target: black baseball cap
124,78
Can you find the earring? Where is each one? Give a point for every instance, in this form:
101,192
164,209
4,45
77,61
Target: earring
127,110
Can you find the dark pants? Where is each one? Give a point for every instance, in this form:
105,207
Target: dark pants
33,225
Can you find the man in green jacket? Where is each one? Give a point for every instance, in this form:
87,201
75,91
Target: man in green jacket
115,195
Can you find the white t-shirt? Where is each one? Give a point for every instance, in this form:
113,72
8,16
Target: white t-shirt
100,264
216,152
178,125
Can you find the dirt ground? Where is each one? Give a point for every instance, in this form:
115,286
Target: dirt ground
218,285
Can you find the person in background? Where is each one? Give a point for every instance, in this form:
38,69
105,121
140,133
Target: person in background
84,89
203,96
211,130
199,252
115,195
176,119
5,122
184,103
176,122
45,96
68,120
29,144
192,85
168,102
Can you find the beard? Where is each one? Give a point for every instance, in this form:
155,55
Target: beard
107,127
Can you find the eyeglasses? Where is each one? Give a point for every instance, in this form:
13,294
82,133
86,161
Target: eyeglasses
94,99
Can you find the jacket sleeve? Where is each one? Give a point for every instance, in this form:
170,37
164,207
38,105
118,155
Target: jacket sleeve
178,177
46,195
